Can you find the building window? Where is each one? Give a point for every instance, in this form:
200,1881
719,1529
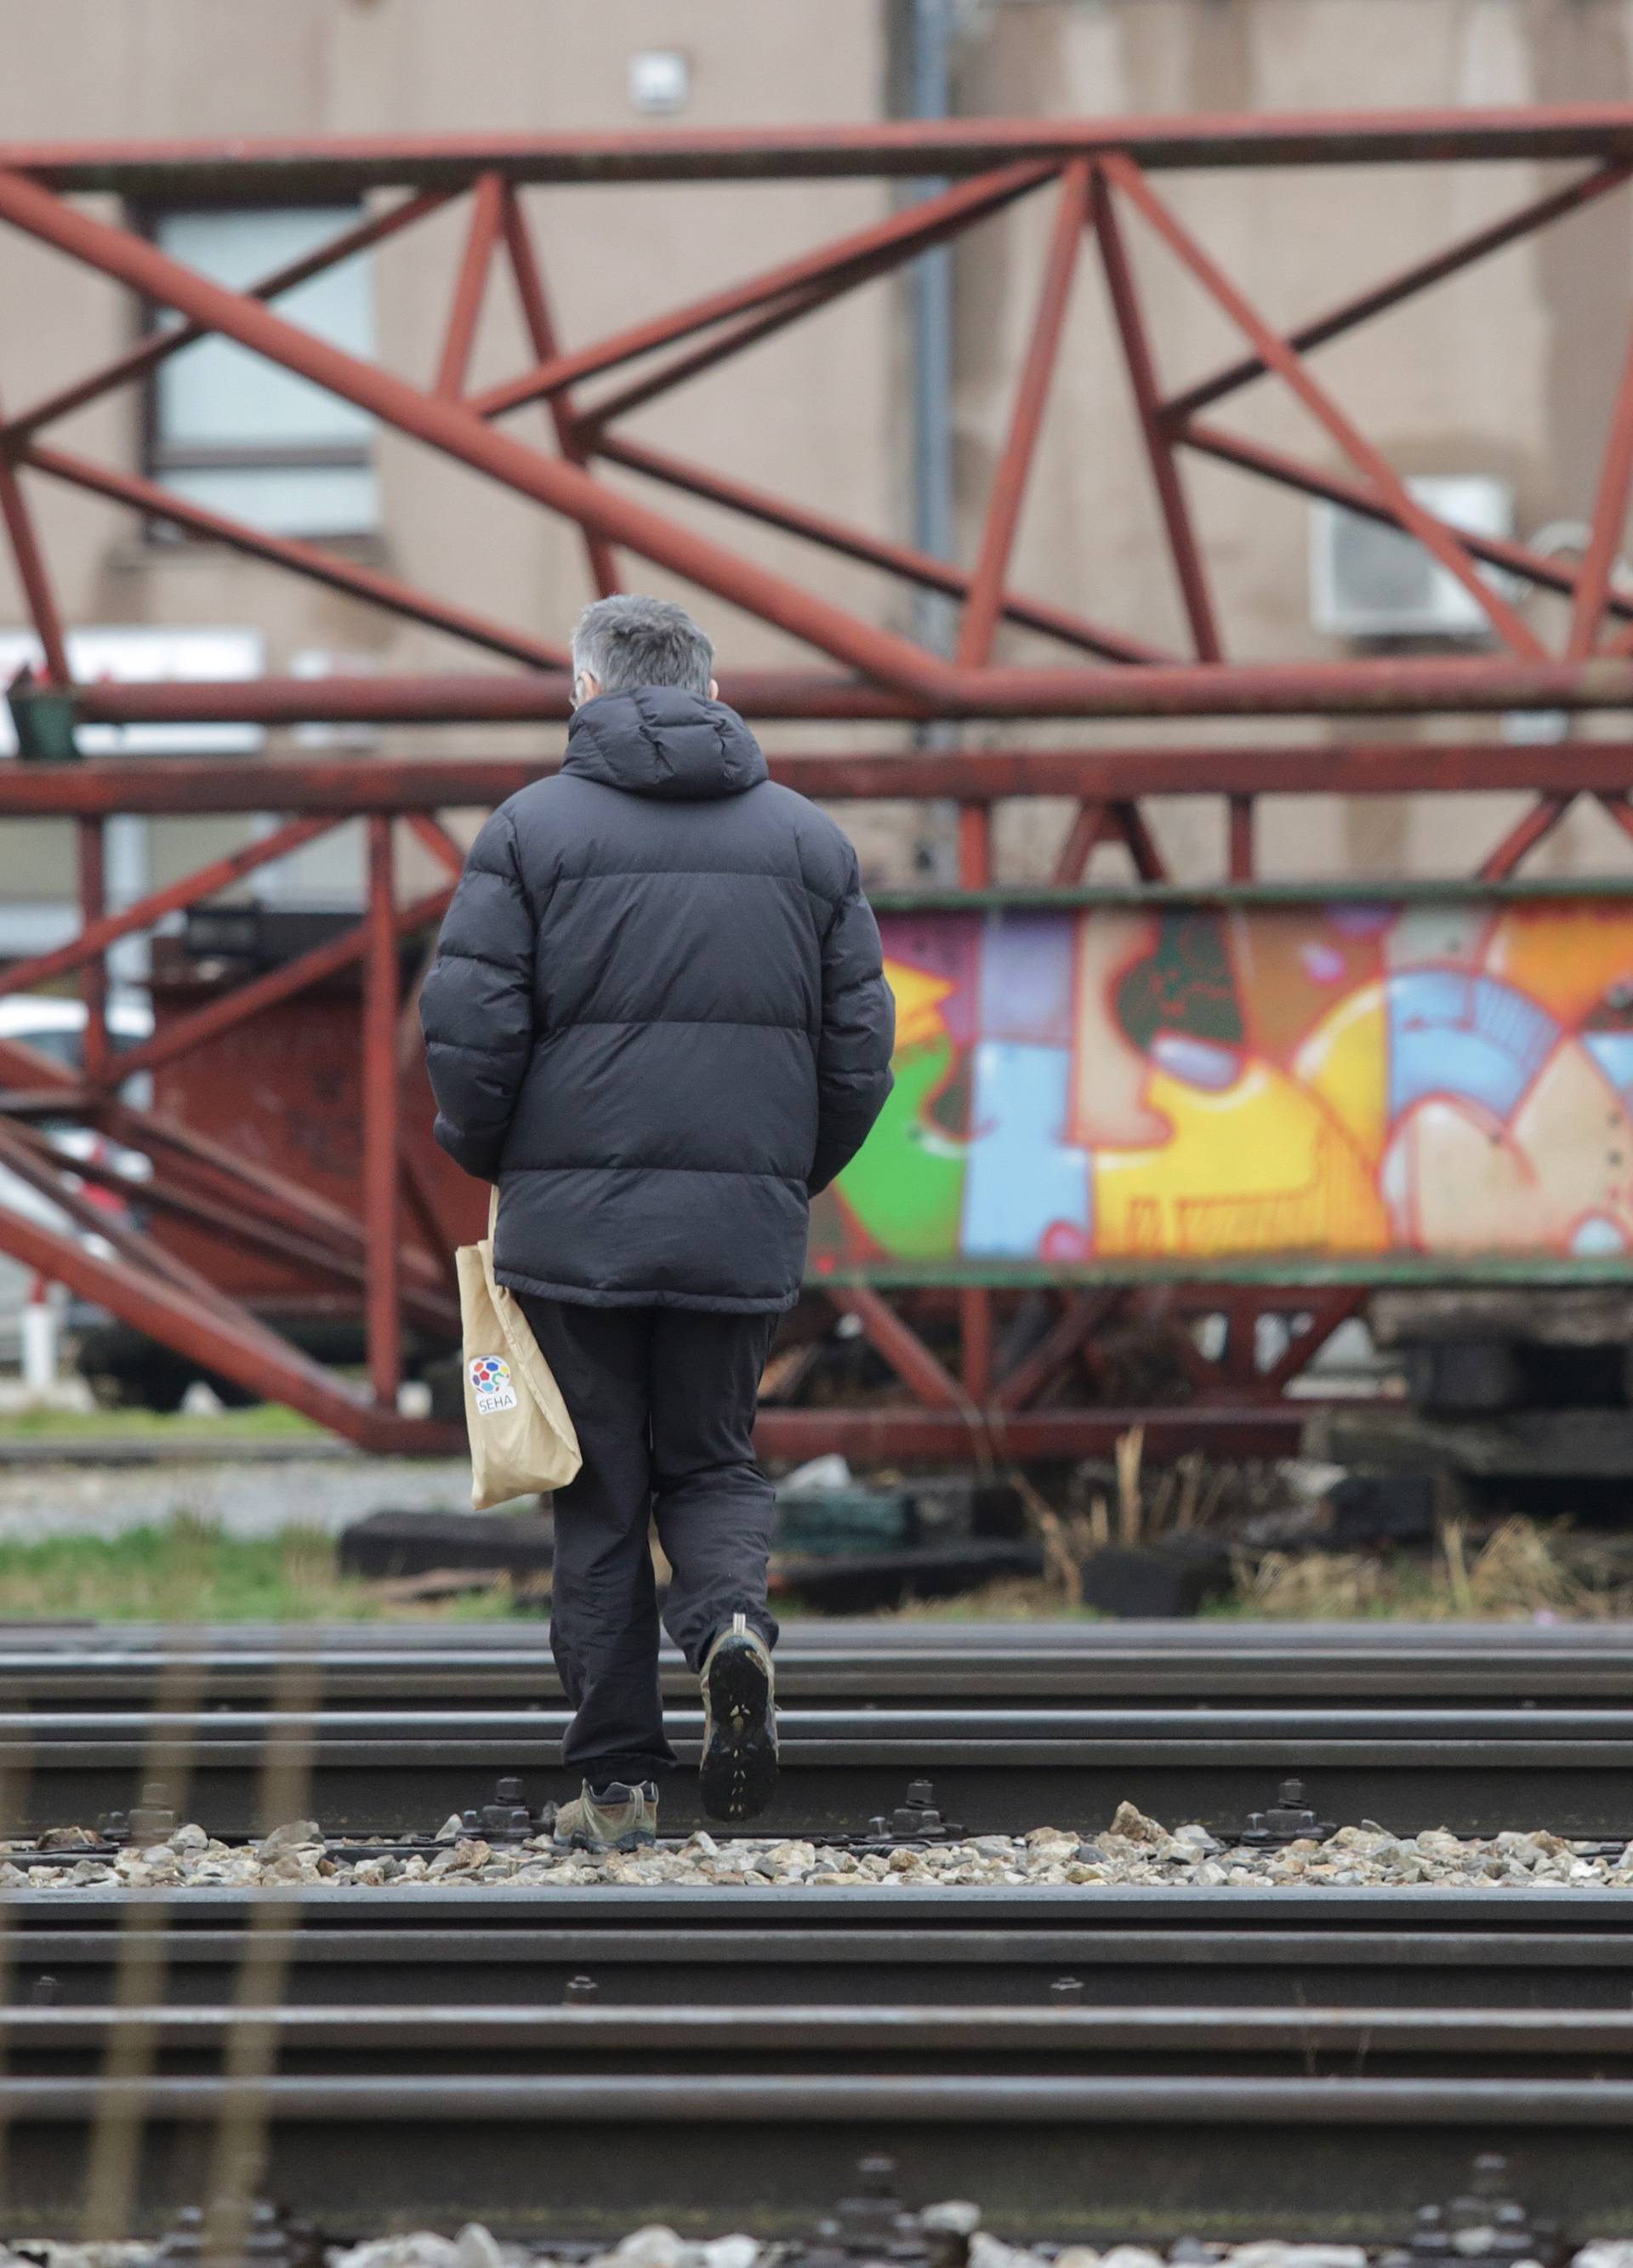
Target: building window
230,430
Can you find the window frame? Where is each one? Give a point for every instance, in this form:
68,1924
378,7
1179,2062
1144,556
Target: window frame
160,460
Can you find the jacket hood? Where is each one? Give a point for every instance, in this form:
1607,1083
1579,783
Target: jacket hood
661,741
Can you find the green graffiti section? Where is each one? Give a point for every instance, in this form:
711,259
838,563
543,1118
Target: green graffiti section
905,1187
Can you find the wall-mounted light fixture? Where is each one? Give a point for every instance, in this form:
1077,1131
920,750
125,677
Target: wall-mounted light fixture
660,81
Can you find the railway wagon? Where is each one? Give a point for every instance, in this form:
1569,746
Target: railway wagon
1229,1116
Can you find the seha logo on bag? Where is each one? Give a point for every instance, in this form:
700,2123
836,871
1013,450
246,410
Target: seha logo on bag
491,1383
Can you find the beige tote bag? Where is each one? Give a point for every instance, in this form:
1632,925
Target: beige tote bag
522,1438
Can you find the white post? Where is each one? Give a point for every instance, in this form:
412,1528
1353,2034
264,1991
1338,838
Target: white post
40,1342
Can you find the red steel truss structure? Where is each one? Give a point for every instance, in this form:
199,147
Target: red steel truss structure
1103,181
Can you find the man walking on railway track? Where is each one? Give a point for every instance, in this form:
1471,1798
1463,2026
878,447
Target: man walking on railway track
658,1020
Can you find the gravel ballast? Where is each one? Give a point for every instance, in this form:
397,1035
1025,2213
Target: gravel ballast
1133,1851
955,2223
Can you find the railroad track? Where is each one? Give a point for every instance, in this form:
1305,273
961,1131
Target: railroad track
481,1666
1099,2065
1473,1768
497,1947
429,2063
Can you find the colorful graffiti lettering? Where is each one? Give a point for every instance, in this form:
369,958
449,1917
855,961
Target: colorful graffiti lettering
1114,1085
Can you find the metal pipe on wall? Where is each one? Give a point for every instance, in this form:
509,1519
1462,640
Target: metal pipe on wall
930,288
930,44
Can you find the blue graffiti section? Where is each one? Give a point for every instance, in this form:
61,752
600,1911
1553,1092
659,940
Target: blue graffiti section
1024,1177
1472,1037
1613,1052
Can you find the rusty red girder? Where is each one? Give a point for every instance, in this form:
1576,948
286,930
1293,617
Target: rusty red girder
1097,172
254,167
388,1255
1108,774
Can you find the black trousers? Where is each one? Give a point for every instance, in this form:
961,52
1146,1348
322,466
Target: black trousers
663,1399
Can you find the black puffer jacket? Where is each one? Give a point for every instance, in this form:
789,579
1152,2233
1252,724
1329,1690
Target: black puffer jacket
657,1016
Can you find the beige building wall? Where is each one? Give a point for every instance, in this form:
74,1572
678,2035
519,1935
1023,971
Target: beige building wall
1510,371
88,70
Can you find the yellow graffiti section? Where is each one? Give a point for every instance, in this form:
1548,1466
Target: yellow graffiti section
918,997
1262,1166
1346,1061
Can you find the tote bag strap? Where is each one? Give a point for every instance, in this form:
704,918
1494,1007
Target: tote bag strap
493,1211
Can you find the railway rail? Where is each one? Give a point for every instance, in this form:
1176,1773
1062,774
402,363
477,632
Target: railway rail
907,2041
1474,1769
392,1731
396,1665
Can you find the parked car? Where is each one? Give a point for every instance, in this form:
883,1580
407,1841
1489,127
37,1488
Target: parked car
55,1025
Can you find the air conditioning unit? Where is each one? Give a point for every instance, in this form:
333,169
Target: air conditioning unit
1371,580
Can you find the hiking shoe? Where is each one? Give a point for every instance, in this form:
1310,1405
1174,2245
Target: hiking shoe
616,1817
738,1770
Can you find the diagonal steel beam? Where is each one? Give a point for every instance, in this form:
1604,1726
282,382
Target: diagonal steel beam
1084,1314
984,604
529,280
34,1160
221,1174
900,559
1521,839
309,560
96,936
1395,289
890,1336
469,286
1549,574
455,429
1511,628
1335,1310
32,572
1616,807
1183,548
1091,823
238,1350
158,346
236,1227
722,345
900,236
735,338
313,967
446,849
1610,512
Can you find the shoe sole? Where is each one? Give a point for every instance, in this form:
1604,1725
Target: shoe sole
738,1776
637,1839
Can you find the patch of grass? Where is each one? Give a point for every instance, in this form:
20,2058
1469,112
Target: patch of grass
263,1421
187,1571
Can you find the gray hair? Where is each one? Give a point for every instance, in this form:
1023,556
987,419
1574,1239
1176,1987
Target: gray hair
625,642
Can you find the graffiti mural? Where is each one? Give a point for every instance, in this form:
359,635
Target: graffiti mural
1116,1084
